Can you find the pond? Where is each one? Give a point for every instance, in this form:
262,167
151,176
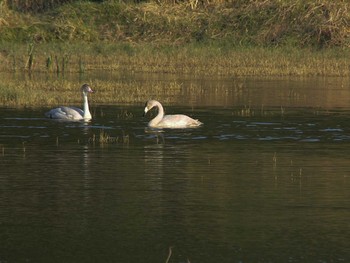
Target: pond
265,179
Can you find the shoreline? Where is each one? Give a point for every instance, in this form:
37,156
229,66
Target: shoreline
208,60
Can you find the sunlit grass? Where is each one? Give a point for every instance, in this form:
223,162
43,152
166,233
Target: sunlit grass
220,38
209,60
43,92
38,93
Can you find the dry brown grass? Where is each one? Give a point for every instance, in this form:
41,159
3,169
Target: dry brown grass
319,23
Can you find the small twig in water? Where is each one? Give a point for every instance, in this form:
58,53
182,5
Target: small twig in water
24,147
169,255
274,159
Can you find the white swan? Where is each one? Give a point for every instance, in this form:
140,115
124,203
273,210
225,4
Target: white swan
169,121
73,113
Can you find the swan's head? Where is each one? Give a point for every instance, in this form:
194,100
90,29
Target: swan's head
149,105
86,89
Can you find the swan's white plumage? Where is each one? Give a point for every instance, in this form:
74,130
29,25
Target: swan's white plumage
169,121
73,113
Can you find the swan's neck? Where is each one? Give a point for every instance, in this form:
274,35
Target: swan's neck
159,116
87,114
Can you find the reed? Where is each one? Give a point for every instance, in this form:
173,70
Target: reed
24,147
30,60
105,138
274,159
49,63
246,111
125,115
81,65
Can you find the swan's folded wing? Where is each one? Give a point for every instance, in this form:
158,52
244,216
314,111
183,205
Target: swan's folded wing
178,121
65,113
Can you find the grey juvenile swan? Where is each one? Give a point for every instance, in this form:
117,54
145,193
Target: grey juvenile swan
73,113
169,121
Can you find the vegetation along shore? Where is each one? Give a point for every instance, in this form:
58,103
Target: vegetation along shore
198,37
254,37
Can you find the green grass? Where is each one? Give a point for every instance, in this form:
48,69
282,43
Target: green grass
238,38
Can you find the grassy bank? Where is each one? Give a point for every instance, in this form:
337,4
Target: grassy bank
320,23
271,37
201,38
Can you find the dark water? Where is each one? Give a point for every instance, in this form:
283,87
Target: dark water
236,190
272,186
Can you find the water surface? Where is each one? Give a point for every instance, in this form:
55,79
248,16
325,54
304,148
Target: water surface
255,184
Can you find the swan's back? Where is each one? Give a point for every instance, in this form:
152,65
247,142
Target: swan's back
65,113
178,121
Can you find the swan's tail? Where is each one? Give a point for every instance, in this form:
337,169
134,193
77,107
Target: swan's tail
196,123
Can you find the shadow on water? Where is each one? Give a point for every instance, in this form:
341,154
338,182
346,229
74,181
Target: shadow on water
253,184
